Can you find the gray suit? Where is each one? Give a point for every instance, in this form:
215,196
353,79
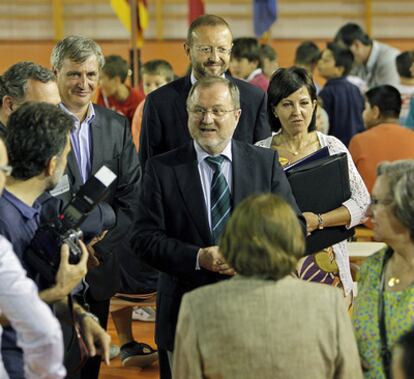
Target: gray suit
380,68
247,327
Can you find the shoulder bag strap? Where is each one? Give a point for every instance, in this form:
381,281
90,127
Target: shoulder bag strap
385,352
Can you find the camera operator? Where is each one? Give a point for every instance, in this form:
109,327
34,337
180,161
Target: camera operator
38,332
38,144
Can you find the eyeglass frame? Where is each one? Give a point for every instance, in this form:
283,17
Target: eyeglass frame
208,50
216,113
6,169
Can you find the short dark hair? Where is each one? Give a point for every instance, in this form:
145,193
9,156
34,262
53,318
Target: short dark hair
36,132
343,57
307,53
14,80
387,98
284,82
158,67
406,342
246,47
263,238
116,66
350,32
404,62
205,20
267,51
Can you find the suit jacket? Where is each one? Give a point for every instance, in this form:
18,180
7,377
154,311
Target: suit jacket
111,146
380,68
286,329
164,122
172,222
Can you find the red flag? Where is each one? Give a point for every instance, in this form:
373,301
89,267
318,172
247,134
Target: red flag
195,9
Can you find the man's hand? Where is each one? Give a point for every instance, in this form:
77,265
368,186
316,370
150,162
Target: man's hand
211,259
93,260
68,275
96,339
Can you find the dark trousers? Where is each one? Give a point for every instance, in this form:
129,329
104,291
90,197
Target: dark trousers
164,364
101,310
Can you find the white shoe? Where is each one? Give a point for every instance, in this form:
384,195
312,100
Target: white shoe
146,314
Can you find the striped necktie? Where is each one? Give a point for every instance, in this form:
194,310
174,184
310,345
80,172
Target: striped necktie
220,198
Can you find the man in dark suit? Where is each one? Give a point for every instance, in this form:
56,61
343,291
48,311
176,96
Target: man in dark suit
100,137
177,222
164,122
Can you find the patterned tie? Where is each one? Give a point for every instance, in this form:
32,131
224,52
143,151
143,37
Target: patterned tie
220,198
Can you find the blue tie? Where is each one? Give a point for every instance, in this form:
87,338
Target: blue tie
220,198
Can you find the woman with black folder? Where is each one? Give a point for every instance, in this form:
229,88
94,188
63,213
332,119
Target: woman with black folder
291,107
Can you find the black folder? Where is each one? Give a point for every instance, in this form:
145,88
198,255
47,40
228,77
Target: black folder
320,186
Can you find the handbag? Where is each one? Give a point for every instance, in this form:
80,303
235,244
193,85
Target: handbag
320,186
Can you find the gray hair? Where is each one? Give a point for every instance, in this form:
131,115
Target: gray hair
14,80
209,81
400,177
77,49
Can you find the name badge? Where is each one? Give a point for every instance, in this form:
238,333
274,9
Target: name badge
62,187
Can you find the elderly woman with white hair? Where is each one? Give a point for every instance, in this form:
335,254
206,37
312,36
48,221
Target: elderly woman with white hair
384,308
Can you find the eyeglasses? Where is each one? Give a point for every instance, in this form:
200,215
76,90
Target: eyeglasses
375,201
207,50
6,169
216,112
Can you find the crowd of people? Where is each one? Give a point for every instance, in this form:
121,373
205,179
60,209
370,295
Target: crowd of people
199,207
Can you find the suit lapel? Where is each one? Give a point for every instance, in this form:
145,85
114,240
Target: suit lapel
243,173
189,182
72,169
180,104
97,143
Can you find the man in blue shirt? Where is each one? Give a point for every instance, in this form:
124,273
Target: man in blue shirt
38,143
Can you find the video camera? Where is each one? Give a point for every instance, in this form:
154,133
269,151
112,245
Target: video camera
85,208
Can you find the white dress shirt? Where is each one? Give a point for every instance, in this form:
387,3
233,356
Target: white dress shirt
38,332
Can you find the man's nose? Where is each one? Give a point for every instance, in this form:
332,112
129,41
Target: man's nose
83,80
207,116
214,56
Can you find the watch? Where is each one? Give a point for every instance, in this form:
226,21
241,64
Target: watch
320,221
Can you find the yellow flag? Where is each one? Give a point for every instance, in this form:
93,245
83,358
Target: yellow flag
123,11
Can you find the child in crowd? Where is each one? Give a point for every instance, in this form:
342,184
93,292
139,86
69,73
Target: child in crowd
245,62
114,93
404,61
307,55
155,73
342,100
268,60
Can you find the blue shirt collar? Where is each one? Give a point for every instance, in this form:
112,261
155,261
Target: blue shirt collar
26,211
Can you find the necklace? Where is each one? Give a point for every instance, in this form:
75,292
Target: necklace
297,151
393,281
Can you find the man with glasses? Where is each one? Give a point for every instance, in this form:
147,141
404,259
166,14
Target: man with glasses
25,81
188,194
208,48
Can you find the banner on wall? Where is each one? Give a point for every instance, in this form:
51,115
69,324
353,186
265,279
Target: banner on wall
195,9
123,11
264,15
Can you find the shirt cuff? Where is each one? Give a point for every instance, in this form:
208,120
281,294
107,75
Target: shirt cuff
197,266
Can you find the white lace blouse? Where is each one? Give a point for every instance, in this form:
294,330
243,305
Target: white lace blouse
356,205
